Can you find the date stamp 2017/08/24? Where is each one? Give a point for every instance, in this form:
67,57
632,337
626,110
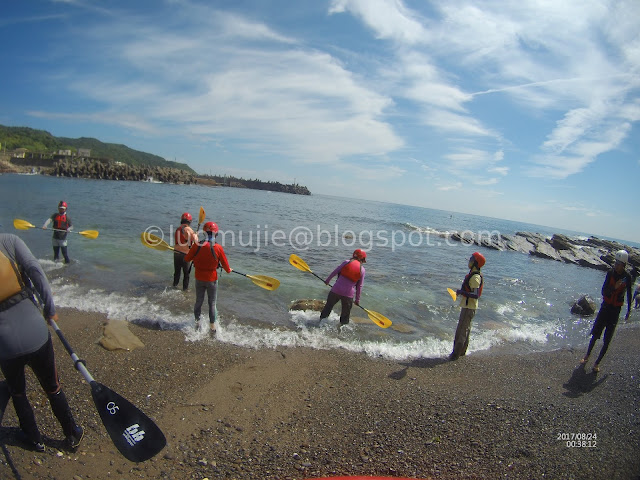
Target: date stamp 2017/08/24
578,440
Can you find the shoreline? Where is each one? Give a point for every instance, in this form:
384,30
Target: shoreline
297,413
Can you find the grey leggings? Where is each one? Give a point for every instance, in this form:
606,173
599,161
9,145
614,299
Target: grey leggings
211,289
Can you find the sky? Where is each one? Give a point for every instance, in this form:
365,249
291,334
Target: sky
525,110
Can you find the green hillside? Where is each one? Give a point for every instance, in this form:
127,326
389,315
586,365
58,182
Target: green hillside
34,140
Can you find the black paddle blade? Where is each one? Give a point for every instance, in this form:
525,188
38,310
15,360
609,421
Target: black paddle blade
132,432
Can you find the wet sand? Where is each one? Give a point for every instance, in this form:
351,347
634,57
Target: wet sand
297,413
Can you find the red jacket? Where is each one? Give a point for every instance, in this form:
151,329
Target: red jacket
206,262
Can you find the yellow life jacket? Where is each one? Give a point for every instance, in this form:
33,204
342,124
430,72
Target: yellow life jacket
11,281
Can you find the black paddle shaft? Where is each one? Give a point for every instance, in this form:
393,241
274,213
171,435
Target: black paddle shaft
133,433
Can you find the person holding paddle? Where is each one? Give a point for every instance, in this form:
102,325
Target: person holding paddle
61,226
184,238
206,258
349,283
25,340
470,292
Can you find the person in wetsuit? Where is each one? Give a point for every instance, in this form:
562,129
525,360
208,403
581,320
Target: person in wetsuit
349,284
617,281
26,340
469,293
206,258
61,226
184,238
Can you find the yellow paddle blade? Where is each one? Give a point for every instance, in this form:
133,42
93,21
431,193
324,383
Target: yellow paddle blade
268,283
452,292
201,216
378,318
299,263
152,241
90,233
22,224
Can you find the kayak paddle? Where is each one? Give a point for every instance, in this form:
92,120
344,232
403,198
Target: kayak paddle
24,225
201,217
152,241
132,432
268,283
452,292
375,317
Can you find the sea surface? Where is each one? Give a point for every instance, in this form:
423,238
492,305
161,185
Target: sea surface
411,261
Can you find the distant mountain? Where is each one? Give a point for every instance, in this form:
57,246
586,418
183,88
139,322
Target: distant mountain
34,140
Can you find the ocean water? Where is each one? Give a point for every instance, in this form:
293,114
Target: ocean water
411,261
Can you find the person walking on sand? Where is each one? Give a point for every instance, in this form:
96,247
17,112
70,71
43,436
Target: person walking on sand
470,292
206,258
184,238
61,226
349,284
617,281
636,296
26,340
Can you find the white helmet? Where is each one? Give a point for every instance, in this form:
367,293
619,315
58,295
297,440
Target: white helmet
622,256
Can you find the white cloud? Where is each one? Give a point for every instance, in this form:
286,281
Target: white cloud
450,186
389,19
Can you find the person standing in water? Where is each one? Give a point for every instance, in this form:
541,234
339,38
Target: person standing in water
349,284
206,258
184,238
61,227
26,340
617,281
470,292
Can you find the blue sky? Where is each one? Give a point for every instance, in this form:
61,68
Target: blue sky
525,110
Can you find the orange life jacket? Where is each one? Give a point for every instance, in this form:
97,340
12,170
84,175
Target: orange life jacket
60,221
11,282
465,284
182,242
615,296
352,270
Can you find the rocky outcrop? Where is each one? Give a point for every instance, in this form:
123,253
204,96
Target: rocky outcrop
591,253
107,170
229,181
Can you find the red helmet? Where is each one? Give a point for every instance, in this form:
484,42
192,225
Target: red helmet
186,216
210,227
478,258
62,204
360,255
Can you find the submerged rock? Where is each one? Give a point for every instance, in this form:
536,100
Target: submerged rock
584,306
307,304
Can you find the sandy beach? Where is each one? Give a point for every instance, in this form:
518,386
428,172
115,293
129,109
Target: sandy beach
297,413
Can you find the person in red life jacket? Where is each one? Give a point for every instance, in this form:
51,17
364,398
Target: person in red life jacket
61,226
206,258
469,293
184,238
349,283
617,281
26,340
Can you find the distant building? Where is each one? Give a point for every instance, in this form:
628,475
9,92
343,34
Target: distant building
64,152
19,153
84,152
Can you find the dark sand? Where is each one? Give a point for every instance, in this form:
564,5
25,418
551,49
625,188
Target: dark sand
296,413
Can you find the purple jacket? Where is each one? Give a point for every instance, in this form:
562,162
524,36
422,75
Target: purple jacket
344,286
